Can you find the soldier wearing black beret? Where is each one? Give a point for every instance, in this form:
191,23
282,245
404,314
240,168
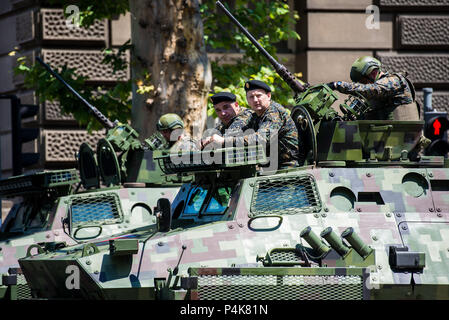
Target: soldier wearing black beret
233,118
270,119
256,84
223,96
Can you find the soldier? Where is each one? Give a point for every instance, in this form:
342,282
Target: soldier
233,119
392,96
269,120
171,127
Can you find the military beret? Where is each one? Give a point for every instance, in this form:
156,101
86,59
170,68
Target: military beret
256,84
223,96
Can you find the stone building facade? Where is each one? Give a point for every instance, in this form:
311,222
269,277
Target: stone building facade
33,30
409,35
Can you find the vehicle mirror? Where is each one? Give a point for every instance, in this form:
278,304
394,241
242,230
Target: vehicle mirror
163,213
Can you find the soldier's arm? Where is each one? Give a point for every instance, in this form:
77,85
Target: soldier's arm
384,88
219,128
265,132
226,137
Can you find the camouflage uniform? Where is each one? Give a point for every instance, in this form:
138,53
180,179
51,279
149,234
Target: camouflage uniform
391,97
239,123
274,122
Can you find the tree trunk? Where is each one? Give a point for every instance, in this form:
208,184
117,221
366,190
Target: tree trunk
168,44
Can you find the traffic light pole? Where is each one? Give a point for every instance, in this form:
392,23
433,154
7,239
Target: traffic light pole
427,99
16,145
21,135
11,97
436,126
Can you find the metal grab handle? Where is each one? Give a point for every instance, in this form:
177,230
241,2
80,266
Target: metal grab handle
89,249
265,216
375,128
39,249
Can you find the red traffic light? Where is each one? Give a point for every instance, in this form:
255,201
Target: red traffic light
437,124
436,127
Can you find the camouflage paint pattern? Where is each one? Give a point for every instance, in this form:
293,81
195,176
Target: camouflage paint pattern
340,141
373,139
134,214
318,101
376,202
133,206
388,203
379,135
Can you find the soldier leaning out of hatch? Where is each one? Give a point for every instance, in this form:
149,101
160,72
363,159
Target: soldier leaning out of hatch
271,123
392,96
171,127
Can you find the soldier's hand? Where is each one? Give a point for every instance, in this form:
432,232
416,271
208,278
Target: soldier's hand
215,139
218,140
204,142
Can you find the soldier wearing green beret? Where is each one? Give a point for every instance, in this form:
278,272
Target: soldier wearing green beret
391,96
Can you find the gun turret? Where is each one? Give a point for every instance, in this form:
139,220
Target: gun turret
286,75
135,160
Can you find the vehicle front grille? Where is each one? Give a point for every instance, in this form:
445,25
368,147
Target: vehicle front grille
259,284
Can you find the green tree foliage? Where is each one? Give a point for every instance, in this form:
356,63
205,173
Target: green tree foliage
114,102
270,22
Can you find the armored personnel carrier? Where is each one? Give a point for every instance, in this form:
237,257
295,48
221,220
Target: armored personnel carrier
53,213
359,221
364,218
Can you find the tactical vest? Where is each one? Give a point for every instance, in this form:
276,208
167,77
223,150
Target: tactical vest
404,112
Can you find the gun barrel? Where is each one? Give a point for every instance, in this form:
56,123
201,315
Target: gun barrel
280,69
248,35
97,114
